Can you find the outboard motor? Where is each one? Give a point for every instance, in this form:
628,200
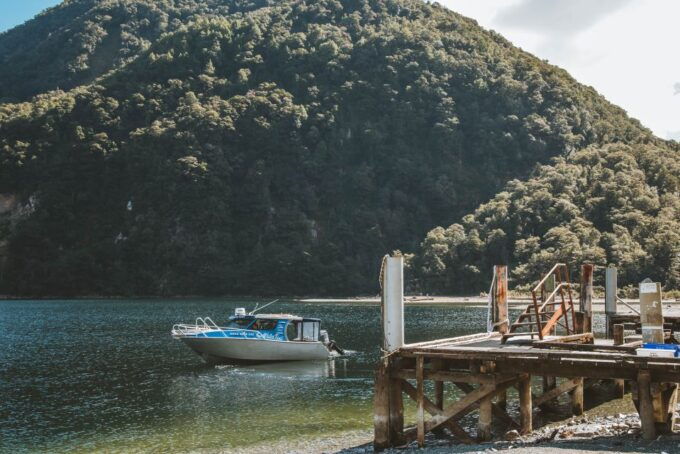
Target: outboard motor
330,345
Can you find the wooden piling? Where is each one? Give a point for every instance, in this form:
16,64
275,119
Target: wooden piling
525,406
619,384
577,398
549,383
438,365
579,322
485,419
420,400
396,412
499,299
381,410
646,407
502,400
586,296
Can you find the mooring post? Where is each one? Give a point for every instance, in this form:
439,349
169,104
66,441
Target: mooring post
393,304
388,418
577,398
586,296
619,383
525,404
610,291
645,405
499,300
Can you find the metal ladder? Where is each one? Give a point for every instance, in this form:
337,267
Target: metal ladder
547,311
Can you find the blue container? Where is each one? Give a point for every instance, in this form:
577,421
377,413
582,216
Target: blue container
663,347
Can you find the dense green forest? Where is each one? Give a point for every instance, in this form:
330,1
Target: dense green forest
256,147
615,204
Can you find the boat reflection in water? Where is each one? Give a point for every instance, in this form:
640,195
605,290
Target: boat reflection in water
292,369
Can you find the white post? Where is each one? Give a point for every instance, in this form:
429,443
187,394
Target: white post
610,290
393,304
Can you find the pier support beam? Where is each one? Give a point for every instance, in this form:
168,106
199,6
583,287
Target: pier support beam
617,331
420,400
437,365
396,422
381,410
646,407
485,419
502,400
549,383
577,398
525,406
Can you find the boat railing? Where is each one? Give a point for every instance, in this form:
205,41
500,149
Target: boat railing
203,325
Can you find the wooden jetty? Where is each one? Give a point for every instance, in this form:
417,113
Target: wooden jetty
551,340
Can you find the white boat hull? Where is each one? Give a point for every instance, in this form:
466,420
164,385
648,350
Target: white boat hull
238,351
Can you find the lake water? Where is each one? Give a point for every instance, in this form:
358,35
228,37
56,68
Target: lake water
82,375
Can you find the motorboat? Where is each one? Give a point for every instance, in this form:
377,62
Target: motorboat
251,338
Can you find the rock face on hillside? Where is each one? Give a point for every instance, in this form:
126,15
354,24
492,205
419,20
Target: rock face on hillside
212,147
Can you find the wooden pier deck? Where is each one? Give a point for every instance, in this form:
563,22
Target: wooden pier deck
483,369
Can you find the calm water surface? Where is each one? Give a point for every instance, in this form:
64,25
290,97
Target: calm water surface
83,375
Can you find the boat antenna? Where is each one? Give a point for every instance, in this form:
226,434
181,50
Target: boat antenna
259,309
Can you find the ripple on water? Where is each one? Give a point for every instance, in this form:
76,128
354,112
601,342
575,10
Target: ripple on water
93,375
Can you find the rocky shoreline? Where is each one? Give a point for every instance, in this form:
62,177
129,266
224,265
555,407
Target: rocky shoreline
593,434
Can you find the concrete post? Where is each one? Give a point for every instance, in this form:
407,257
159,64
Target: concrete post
651,313
610,291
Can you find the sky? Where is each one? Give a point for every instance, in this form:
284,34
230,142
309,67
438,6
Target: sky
626,49
16,12
629,50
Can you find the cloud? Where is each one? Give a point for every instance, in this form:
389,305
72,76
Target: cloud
563,17
677,88
557,21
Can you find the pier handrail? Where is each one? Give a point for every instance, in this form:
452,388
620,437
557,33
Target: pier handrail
552,295
556,270
547,275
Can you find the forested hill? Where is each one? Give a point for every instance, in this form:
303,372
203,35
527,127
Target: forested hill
78,41
225,147
616,204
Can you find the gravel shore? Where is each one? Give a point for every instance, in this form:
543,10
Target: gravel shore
595,434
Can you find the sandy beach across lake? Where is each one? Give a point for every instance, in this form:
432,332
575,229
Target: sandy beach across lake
471,301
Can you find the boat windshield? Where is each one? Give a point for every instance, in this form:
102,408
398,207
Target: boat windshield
241,323
264,325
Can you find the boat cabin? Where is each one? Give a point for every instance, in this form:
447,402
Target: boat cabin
281,327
